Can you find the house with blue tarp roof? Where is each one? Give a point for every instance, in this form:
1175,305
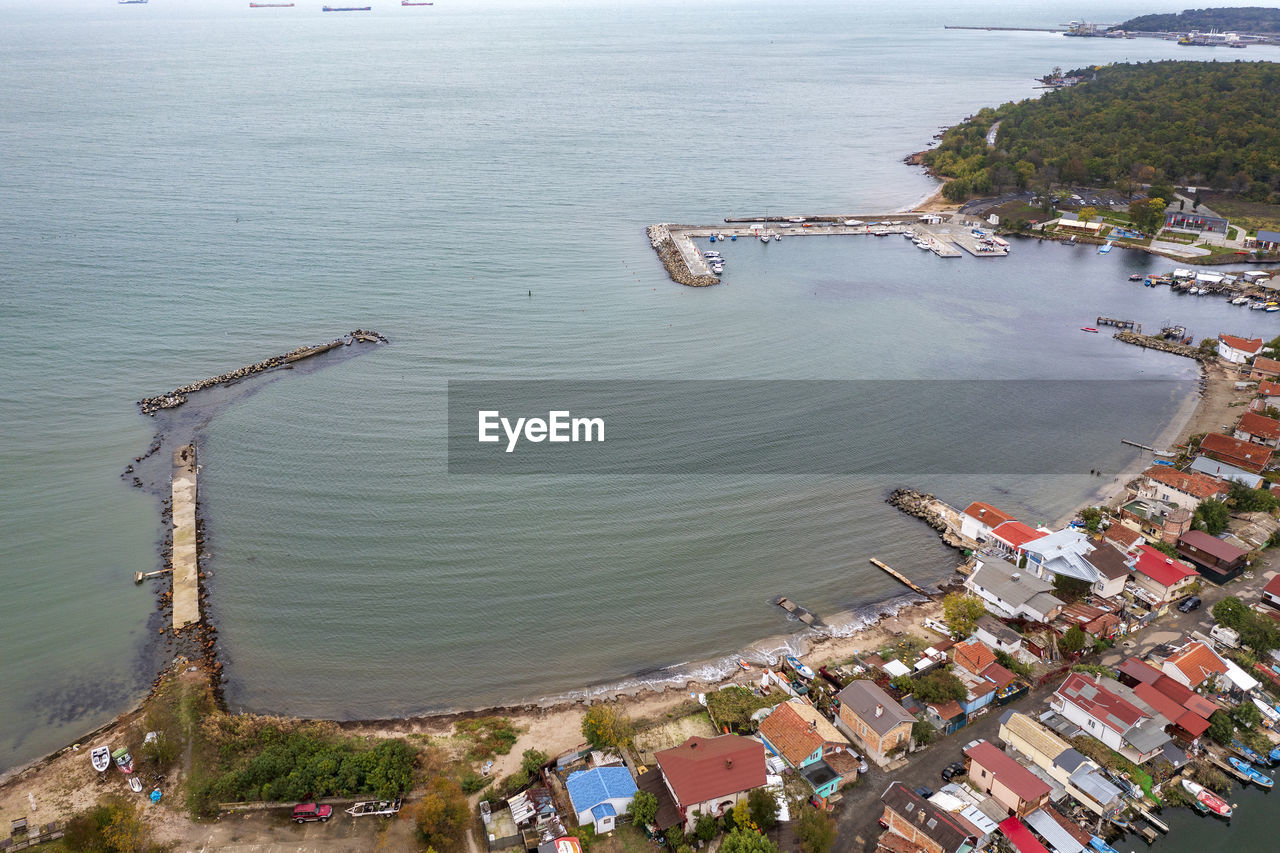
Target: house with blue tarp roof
600,794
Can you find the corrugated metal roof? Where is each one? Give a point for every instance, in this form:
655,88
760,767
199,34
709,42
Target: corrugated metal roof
1060,841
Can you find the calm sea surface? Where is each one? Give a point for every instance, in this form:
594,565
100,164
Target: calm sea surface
189,187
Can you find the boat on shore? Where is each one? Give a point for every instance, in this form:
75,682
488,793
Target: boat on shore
1269,711
135,784
801,670
1207,798
123,760
380,808
1256,776
100,757
1101,846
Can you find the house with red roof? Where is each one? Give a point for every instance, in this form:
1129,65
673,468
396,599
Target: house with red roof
1217,560
1233,451
1255,428
1163,577
1123,537
1268,395
1264,368
1020,836
978,520
797,731
1096,705
1238,350
1194,665
973,655
1009,537
992,771
1271,592
1180,488
710,775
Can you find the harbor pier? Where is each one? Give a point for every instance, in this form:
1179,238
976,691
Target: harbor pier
186,571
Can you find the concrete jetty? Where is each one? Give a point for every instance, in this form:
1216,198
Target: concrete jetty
186,571
899,576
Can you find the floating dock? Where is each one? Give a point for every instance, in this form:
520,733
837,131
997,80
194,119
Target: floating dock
1132,325
186,571
901,577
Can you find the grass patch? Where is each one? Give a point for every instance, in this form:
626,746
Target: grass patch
1250,215
734,706
489,736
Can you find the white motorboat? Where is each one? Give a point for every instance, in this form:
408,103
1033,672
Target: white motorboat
101,758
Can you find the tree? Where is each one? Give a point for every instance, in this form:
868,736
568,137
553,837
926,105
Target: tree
1075,639
442,814
704,828
923,732
961,612
741,815
1088,214
743,840
1147,214
939,686
606,727
1070,589
532,761
1212,516
1166,548
1231,612
1245,499
816,831
764,808
643,808
1247,716
1220,728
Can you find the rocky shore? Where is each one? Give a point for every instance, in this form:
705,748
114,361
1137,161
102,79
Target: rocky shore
665,245
928,509
178,396
1158,343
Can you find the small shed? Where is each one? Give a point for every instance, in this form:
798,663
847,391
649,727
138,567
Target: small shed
601,794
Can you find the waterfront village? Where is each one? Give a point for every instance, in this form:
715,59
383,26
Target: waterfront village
1069,686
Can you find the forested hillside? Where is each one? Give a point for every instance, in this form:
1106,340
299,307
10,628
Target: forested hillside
1244,19
1191,123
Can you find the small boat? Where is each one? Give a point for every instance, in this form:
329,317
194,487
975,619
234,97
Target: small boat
131,2
1271,306
802,670
1274,755
716,270
1268,710
135,784
270,5
743,664
1207,798
1101,846
1136,277
375,807
710,254
733,237
123,760
764,238
713,238
1245,752
722,238
101,758
1088,329
1255,776
1240,300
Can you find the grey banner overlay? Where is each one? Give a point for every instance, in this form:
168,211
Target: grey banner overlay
812,427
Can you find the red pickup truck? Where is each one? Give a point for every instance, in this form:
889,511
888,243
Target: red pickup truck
310,811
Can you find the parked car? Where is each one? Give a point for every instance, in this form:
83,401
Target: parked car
924,791
1191,602
952,770
306,812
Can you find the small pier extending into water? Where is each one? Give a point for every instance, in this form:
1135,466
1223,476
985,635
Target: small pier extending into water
186,571
897,575
1127,325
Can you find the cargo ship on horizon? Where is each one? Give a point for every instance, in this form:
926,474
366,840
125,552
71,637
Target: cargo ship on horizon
345,8
410,3
270,5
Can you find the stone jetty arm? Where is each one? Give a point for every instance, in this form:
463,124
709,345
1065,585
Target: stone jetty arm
178,396
934,513
1158,343
665,245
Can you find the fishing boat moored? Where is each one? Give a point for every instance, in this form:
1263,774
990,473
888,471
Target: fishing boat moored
1135,277
802,670
1101,846
345,8
1256,776
1207,798
1245,752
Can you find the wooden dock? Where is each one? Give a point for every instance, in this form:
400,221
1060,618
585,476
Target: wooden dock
1128,325
897,575
186,571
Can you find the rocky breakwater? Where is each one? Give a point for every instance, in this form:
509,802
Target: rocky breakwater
931,511
1159,343
178,396
669,253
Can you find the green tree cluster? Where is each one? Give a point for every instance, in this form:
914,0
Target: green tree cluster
442,815
114,825
1258,632
744,840
643,808
816,831
607,727
1244,19
961,612
1202,123
1211,516
936,686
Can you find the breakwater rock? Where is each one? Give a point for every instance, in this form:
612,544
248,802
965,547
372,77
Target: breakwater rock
178,396
931,511
1159,343
669,253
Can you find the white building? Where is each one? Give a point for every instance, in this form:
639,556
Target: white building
1238,350
1010,592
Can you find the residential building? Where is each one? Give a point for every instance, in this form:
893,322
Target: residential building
874,720
1244,454
1258,429
1112,566
946,717
1091,702
1010,537
1097,622
1223,471
1010,784
1163,577
1123,537
1185,489
1238,350
1217,560
600,795
1139,675
1264,368
1156,520
1271,592
1195,665
1061,553
798,733
978,519
925,827
1268,395
1079,776
710,775
972,655
998,635
1011,592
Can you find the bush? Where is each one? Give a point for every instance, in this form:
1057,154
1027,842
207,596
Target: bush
442,815
490,736
643,808
705,828
734,706
939,686
472,782
112,826
764,808
606,727
743,840
816,831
